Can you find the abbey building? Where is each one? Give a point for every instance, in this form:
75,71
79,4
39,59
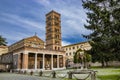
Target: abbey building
32,53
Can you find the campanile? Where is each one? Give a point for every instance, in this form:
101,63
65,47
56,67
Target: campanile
53,31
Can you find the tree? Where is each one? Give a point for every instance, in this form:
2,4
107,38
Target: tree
115,30
104,22
2,41
82,57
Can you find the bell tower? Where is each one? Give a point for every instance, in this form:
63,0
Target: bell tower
53,31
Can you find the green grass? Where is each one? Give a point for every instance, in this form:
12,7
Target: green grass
109,77
108,73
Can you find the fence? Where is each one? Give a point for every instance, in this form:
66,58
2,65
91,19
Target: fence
74,74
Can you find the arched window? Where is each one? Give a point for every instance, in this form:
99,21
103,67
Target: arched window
55,48
58,48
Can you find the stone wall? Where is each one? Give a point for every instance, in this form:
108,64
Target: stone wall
6,58
15,61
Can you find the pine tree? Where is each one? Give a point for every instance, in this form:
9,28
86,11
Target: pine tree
2,41
115,29
103,18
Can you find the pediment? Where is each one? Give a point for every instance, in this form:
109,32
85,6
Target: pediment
34,39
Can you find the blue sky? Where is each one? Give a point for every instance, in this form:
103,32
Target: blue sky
22,18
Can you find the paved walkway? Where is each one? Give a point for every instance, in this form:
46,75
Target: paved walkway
12,76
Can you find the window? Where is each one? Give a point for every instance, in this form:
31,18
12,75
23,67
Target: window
73,47
73,53
58,48
81,46
55,48
49,23
57,36
56,23
56,42
77,47
56,18
56,30
49,36
49,18
49,30
69,48
66,49
70,53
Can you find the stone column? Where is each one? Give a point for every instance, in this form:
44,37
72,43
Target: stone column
25,60
19,62
57,61
43,61
64,61
51,61
35,61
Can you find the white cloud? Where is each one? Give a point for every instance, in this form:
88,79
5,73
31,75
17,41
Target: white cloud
22,22
73,17
64,43
14,36
30,25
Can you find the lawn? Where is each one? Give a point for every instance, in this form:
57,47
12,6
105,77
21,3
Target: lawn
102,74
108,73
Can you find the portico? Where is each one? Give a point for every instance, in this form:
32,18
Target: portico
41,60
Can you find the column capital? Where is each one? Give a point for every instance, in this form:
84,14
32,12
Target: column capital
26,52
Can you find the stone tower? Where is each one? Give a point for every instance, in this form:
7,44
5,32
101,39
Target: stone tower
53,31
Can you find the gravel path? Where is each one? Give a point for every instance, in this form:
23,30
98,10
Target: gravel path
12,76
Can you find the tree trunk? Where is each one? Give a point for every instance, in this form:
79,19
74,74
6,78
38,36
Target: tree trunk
103,65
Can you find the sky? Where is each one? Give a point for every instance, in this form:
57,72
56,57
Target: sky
23,18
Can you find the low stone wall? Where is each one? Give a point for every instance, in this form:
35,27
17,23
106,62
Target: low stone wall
3,67
96,64
114,63
64,74
110,63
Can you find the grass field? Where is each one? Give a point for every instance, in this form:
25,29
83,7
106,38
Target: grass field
108,73
102,74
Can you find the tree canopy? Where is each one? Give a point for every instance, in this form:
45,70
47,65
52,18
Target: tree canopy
82,57
104,22
2,41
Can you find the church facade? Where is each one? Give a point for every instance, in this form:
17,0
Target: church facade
32,53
